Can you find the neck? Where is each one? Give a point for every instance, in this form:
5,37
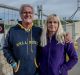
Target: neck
26,25
51,34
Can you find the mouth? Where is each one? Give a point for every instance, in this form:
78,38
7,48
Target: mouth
27,17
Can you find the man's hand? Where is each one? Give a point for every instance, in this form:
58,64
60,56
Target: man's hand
16,68
68,37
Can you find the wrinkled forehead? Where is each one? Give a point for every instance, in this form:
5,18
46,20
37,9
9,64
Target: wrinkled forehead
27,8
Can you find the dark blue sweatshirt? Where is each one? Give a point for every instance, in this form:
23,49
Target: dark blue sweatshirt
21,45
52,58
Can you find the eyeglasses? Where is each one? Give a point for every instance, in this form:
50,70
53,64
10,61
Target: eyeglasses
29,12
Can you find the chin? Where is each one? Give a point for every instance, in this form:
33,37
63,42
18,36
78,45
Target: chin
53,30
28,22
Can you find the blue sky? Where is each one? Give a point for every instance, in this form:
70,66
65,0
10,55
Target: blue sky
63,8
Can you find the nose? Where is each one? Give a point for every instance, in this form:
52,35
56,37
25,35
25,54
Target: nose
28,15
52,23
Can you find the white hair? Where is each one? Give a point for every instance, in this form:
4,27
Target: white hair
23,6
59,34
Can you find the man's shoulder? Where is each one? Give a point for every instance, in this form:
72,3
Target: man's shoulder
14,28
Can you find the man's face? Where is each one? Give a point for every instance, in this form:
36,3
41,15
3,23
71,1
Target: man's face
27,15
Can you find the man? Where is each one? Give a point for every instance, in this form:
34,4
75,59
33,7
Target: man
21,42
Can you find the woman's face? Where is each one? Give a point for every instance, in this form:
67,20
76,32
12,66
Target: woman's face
52,24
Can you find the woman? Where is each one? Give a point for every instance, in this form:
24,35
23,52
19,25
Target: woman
53,49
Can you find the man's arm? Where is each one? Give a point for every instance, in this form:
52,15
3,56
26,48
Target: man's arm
68,37
7,49
8,52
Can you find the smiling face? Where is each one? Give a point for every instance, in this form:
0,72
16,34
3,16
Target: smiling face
27,15
52,24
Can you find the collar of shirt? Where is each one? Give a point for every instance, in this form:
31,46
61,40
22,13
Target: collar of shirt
28,29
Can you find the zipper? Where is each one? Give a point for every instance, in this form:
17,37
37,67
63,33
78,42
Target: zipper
49,53
27,41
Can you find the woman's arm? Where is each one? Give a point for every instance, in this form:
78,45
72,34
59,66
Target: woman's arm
72,54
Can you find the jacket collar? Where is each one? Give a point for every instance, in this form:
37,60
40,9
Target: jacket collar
21,26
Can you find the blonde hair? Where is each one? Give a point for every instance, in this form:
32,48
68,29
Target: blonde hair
59,34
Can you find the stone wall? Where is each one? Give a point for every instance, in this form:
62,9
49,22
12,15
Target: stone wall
5,68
